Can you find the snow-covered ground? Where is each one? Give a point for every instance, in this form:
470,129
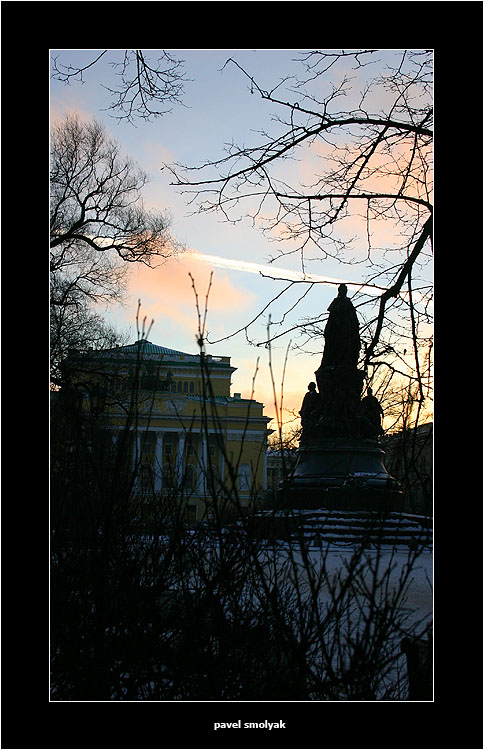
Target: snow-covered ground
378,569
419,591
383,569
418,603
419,597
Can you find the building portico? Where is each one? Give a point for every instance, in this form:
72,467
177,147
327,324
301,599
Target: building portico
190,434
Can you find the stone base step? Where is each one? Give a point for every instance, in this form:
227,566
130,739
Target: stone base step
350,527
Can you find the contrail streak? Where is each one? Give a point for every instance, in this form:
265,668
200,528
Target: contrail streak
280,273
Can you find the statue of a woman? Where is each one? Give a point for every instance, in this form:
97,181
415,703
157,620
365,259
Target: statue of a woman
341,335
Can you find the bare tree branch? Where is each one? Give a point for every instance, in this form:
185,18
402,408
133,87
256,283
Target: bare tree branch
146,90
351,182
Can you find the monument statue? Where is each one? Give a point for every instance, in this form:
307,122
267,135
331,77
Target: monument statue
340,460
339,381
310,411
372,411
166,384
341,334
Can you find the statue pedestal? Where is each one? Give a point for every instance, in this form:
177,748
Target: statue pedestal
340,473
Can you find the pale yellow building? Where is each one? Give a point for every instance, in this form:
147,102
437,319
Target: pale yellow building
188,431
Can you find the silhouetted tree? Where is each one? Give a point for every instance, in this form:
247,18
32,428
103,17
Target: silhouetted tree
98,226
145,90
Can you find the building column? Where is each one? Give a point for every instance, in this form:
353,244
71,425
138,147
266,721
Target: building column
180,458
264,469
136,447
204,466
222,467
136,458
158,464
114,443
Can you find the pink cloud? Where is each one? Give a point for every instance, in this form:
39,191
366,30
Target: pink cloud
168,297
57,114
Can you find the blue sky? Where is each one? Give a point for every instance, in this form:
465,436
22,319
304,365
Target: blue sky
218,107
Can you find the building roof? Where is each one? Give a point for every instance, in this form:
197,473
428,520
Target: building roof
147,347
148,350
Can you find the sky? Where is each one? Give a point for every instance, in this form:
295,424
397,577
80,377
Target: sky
218,107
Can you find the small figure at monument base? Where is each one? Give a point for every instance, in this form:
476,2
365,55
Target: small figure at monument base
373,412
310,412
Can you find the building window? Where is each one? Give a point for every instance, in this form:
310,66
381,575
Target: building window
145,478
191,513
192,387
244,477
168,477
185,387
180,386
211,478
189,478
146,446
212,444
